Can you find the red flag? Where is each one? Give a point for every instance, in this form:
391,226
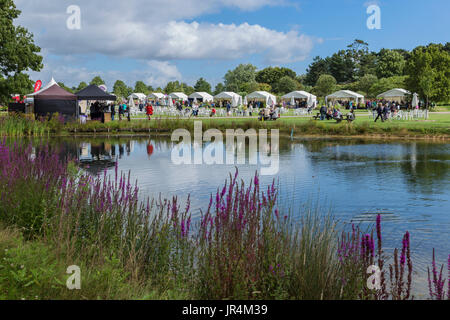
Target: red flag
37,86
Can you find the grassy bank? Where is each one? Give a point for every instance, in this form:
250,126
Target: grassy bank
437,126
53,215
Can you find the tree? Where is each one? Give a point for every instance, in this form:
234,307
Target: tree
272,75
18,54
18,83
219,89
318,67
97,81
342,66
365,83
286,85
385,84
428,71
325,85
390,63
235,79
202,86
141,87
81,86
120,89
173,86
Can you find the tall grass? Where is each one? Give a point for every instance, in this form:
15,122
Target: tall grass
17,125
242,247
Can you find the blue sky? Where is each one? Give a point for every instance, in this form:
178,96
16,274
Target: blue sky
135,43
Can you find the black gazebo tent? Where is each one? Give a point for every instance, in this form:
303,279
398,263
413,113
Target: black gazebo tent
93,92
55,100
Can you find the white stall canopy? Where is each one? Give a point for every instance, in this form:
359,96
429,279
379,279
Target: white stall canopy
262,95
206,97
394,93
178,96
345,94
156,96
298,95
138,96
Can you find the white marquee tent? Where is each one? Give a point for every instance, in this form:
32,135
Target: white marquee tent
206,97
262,95
347,95
394,93
236,100
178,96
156,96
139,96
310,98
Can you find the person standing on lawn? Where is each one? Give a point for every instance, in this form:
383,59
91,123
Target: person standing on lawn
380,113
149,110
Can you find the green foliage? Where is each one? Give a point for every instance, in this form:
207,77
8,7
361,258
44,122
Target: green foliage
97,81
141,87
390,63
18,83
385,84
219,88
202,86
286,85
325,85
81,86
121,90
272,75
428,72
365,83
236,79
18,54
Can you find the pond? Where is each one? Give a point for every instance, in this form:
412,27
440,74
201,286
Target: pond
408,182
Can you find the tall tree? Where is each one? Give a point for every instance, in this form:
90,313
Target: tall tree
141,87
365,83
121,90
286,85
219,88
325,85
272,75
81,86
97,81
428,71
202,86
390,63
318,67
18,54
242,74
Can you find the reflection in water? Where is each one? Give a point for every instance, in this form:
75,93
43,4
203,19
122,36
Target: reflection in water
407,182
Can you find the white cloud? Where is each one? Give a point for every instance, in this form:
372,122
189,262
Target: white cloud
158,31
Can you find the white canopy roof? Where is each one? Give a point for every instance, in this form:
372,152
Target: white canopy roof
202,95
156,95
178,95
51,83
139,96
262,95
299,95
345,94
394,93
227,95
